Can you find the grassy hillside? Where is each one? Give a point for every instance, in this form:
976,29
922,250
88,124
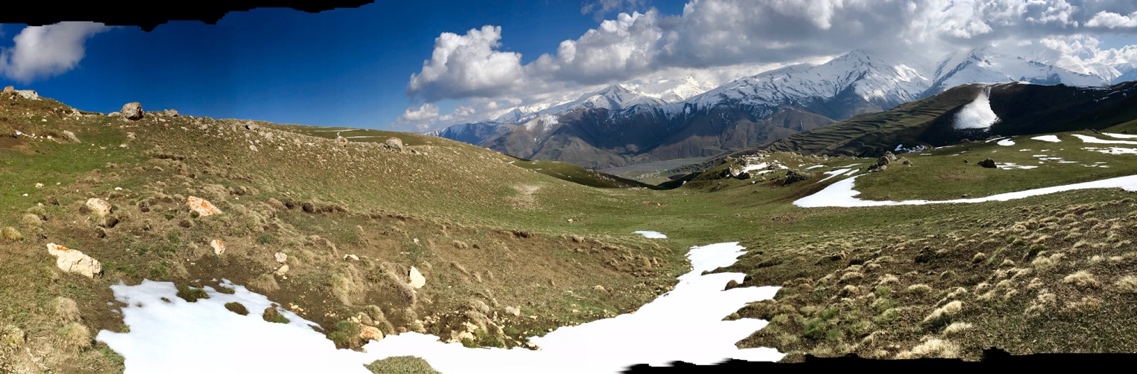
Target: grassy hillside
519,247
1022,109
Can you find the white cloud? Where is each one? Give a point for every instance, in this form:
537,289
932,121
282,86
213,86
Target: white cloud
46,51
467,65
711,35
1113,20
599,8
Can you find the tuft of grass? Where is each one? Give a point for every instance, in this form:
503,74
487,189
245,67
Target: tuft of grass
191,294
75,335
10,233
236,307
272,315
401,364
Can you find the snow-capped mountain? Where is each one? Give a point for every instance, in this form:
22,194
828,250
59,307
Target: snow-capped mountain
988,65
663,118
878,81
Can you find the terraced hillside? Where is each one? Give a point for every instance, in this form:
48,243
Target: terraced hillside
1022,109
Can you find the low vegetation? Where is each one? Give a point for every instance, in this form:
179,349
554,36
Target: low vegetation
328,223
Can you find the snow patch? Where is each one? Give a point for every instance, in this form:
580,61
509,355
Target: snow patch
1090,139
842,194
1047,138
651,234
1006,142
977,114
160,330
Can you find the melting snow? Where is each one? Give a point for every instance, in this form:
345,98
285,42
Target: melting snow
1113,150
1006,142
1120,136
842,194
833,173
224,341
651,234
1047,138
977,114
1090,139
814,167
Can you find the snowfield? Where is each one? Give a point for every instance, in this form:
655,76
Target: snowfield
225,342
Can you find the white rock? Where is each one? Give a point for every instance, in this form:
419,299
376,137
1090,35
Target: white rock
283,270
39,185
99,206
350,257
218,247
73,261
280,257
417,280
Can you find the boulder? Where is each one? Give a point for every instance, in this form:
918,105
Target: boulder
201,206
394,143
132,111
9,89
218,247
73,261
417,279
988,163
794,177
99,206
370,333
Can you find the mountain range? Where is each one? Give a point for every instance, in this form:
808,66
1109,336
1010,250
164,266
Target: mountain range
621,124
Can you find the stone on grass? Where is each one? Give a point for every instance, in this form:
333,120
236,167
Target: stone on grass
201,206
417,279
73,261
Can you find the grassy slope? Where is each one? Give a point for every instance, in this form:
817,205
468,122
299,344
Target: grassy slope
498,235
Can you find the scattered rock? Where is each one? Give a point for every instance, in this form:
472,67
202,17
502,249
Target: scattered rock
350,257
132,111
394,143
732,284
370,333
280,257
794,177
282,271
99,206
417,279
73,261
342,141
218,246
515,311
988,163
70,136
599,288
201,206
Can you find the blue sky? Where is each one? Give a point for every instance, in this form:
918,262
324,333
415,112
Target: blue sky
353,67
345,67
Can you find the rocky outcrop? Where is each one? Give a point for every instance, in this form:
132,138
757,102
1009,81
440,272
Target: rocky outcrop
988,163
99,206
73,261
132,111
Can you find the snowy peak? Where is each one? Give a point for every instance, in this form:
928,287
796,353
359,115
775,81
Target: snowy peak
875,79
989,65
615,98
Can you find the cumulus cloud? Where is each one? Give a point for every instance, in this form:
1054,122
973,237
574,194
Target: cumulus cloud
600,8
467,65
46,51
712,34
1113,20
